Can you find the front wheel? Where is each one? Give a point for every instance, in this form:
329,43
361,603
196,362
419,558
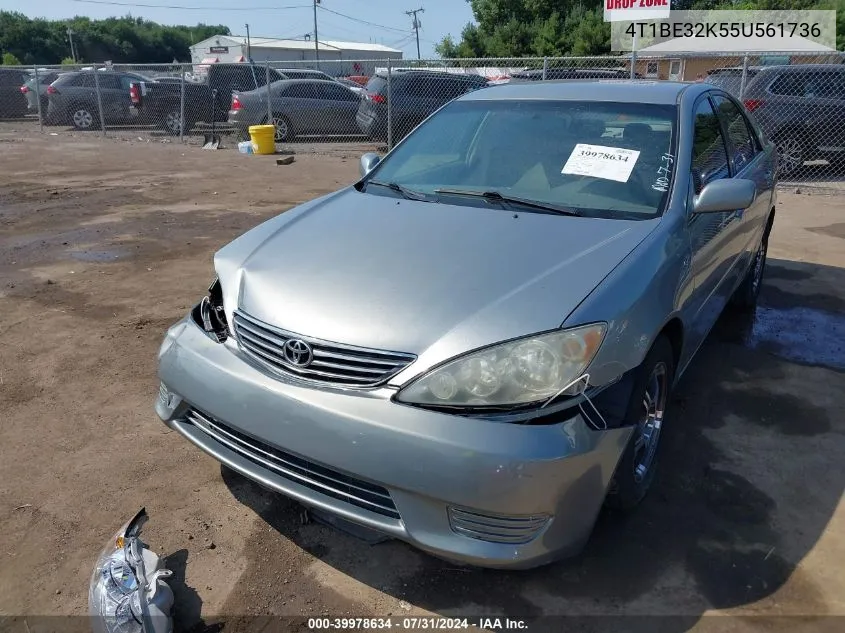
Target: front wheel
746,295
649,398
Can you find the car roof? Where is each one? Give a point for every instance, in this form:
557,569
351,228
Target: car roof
799,67
624,90
299,70
576,69
431,73
292,82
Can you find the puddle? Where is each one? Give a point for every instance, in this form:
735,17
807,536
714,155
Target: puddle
803,335
107,255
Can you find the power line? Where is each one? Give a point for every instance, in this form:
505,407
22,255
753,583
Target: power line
402,42
191,8
349,17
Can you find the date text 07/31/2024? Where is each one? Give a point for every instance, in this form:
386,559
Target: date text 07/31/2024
416,623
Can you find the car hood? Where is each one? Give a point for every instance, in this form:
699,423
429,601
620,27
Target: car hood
430,279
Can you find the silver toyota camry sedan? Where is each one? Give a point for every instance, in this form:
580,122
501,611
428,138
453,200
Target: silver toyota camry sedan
472,349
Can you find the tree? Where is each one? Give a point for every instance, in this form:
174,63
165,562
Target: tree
518,28
10,60
121,40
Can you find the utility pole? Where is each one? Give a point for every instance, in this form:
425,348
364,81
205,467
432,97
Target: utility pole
70,38
316,37
248,45
417,26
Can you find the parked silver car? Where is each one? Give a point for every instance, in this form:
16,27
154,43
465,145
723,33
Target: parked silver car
299,106
473,348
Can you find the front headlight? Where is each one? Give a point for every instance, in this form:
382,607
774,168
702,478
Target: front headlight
523,371
127,589
210,314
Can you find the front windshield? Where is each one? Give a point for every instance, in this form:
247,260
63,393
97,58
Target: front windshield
601,159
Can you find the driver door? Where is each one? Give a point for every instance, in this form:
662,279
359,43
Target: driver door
712,241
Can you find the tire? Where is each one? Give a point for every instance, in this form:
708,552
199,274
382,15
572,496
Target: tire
791,153
745,297
649,398
82,117
172,123
284,130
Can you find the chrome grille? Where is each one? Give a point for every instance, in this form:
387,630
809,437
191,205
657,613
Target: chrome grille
496,529
297,469
332,362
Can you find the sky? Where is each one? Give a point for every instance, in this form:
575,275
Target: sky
389,24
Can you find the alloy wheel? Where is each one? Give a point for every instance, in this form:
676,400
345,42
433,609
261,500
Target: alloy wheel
647,433
83,119
791,155
173,122
282,130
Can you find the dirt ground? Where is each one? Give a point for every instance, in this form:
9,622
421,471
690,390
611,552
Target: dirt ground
106,242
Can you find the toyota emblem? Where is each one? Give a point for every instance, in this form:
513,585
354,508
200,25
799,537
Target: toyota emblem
298,353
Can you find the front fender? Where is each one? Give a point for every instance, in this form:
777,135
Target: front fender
643,293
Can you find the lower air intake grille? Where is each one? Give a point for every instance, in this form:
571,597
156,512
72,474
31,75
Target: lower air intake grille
306,473
496,528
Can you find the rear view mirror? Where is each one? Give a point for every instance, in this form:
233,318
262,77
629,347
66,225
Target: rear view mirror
369,162
727,194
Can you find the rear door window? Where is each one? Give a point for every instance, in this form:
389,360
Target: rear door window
789,85
831,85
83,80
742,144
301,91
336,93
108,81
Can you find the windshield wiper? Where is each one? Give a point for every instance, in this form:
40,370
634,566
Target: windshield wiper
497,196
410,194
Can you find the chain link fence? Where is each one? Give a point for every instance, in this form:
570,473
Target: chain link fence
797,98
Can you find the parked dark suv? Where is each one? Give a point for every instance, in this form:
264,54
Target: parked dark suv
415,94
12,100
72,98
800,107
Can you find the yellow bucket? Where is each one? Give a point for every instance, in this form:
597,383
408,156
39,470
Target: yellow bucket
263,138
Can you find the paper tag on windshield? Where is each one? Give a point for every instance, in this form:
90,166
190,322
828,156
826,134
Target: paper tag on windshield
598,161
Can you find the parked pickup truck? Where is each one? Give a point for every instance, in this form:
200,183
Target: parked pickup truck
207,101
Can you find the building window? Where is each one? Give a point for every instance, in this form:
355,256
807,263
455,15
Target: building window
651,69
675,68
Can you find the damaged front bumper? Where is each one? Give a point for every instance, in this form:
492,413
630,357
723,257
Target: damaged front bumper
128,592
485,493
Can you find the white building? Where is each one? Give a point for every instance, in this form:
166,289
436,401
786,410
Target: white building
336,58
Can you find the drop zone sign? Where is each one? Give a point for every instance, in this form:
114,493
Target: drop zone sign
635,10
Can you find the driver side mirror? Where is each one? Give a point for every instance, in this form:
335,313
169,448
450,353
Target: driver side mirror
368,163
727,194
